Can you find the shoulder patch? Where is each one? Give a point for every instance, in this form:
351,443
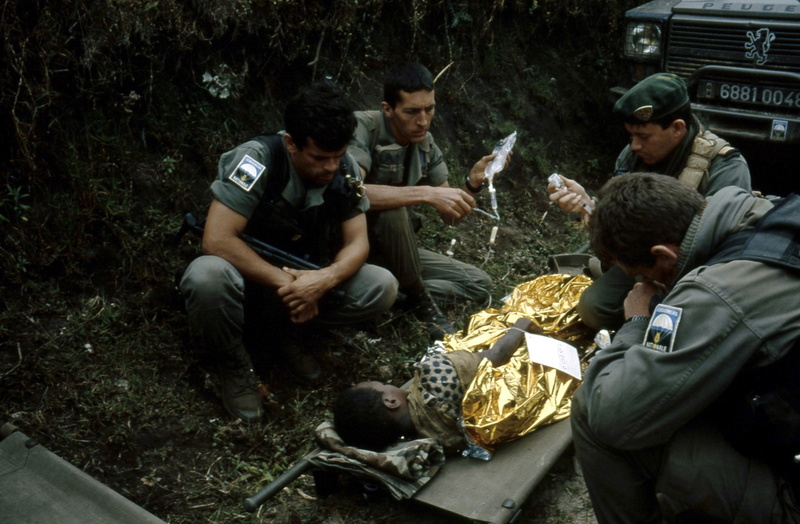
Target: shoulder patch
663,325
247,172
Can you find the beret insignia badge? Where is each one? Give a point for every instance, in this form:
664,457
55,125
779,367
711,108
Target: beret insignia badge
643,113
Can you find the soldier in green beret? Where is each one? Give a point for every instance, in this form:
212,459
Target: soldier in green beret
668,139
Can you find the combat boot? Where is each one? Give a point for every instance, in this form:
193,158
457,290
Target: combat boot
302,365
240,394
426,310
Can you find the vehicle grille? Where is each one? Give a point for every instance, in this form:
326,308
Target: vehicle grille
721,41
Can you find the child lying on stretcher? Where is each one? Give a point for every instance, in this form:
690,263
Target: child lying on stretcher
373,415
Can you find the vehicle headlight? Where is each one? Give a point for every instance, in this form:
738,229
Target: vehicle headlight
643,40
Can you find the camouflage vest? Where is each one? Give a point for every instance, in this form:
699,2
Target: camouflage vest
705,148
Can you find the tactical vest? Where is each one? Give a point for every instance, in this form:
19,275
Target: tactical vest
705,147
313,234
759,413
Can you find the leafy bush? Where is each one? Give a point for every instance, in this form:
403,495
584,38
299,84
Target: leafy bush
114,113
97,95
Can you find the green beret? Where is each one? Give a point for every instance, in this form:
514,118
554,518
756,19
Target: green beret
653,98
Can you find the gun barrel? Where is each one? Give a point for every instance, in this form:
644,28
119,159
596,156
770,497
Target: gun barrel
272,254
267,492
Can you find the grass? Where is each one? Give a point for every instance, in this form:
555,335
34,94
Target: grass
95,354
103,376
98,368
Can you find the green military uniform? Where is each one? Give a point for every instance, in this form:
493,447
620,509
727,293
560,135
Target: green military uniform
220,301
727,166
236,189
392,237
643,419
702,159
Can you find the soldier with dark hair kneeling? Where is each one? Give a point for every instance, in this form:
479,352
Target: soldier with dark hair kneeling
299,191
693,409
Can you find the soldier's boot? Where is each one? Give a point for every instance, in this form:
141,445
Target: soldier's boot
297,358
426,310
240,394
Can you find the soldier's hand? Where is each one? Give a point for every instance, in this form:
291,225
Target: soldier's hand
638,300
477,175
478,171
571,198
301,297
452,203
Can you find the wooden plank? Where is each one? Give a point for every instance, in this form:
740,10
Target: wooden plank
493,491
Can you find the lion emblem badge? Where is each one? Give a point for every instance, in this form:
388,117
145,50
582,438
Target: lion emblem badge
758,46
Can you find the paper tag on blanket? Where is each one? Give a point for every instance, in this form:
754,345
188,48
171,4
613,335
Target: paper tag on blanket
553,353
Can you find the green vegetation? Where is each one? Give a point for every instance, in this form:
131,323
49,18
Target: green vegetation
114,113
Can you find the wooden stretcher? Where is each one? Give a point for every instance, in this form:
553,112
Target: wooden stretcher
483,491
37,486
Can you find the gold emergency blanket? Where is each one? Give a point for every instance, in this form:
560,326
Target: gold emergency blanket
512,400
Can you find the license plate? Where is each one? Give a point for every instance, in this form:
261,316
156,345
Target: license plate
749,94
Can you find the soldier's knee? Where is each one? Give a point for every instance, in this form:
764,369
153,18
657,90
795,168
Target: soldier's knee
385,287
210,276
483,284
391,220
388,296
579,416
595,312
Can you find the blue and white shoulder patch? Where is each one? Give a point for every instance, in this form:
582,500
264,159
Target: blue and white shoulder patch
246,173
662,328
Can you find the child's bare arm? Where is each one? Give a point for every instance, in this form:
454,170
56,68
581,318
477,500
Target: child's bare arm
501,351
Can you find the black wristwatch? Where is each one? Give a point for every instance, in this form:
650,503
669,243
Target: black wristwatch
469,186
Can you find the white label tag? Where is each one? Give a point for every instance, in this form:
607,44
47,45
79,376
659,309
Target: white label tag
554,354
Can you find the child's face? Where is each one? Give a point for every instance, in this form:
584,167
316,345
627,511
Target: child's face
393,397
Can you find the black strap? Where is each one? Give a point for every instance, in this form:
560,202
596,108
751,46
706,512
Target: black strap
277,175
774,240
760,411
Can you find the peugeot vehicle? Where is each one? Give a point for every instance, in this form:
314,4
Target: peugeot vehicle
741,61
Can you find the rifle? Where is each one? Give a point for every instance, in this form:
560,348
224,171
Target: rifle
271,254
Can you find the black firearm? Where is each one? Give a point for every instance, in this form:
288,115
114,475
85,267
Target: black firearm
252,503
271,254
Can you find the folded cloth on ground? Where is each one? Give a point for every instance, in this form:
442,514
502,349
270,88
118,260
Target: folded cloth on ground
403,468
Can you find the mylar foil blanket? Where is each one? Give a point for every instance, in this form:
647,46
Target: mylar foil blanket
512,400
